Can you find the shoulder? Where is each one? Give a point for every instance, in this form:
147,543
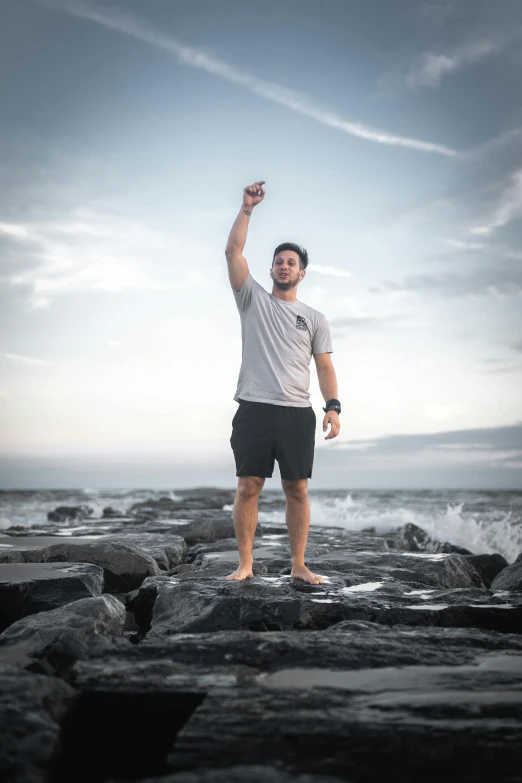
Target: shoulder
257,285
249,284
315,316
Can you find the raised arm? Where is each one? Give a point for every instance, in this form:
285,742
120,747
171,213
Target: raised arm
237,265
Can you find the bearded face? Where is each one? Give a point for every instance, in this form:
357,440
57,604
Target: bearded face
286,271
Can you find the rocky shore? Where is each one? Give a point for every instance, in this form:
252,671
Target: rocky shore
126,656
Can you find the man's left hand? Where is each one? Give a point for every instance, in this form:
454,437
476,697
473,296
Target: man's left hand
331,417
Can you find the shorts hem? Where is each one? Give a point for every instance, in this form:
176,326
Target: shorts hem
255,475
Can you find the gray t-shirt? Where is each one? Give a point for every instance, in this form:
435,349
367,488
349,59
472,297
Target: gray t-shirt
278,341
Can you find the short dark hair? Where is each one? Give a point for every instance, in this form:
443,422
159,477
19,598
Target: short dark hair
301,252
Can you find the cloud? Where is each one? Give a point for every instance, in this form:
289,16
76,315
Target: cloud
495,281
462,245
495,365
430,68
481,458
90,251
344,325
356,314
509,207
201,58
329,270
442,411
27,359
493,145
490,440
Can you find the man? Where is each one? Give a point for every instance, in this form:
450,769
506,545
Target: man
275,419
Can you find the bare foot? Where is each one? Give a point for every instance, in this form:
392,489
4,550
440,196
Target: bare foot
304,573
241,572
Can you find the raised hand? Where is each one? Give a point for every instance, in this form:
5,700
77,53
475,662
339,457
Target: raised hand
254,194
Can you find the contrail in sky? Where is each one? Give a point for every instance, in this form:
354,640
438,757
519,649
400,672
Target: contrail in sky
198,58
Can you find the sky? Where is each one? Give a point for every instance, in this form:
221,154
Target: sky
390,139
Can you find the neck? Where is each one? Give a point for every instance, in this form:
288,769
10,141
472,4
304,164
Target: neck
285,296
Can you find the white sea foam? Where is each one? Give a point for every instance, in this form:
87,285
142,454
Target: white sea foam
488,531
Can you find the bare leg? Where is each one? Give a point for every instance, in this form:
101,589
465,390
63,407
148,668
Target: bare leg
245,523
298,522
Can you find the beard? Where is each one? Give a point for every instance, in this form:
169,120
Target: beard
284,284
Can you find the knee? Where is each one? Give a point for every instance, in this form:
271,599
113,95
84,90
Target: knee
297,490
249,486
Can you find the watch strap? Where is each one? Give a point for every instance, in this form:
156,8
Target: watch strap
332,405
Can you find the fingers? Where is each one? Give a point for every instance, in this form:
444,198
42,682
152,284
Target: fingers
253,190
335,425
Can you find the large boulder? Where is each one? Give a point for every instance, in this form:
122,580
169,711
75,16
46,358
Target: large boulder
28,588
412,538
202,601
125,565
487,566
68,513
51,642
509,578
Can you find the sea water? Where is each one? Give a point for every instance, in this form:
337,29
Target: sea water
481,521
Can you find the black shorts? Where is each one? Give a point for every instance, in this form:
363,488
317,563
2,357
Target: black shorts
262,433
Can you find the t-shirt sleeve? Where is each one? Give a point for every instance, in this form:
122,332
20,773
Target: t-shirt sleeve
322,339
243,297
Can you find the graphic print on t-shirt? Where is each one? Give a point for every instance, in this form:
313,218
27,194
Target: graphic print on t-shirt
301,323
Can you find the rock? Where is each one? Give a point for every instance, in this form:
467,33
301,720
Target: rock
487,566
452,571
202,601
207,530
32,708
153,509
412,538
66,513
509,578
141,602
357,724
395,650
182,569
237,698
51,642
351,644
438,570
214,604
125,565
110,513
27,588
11,556
253,773
176,551
186,500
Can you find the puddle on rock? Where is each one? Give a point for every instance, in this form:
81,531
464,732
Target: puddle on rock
362,588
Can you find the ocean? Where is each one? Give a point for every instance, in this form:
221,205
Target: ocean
483,522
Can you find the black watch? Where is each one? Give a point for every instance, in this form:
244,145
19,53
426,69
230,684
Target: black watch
332,405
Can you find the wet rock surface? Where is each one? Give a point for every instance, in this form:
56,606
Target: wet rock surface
28,588
407,658
32,709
